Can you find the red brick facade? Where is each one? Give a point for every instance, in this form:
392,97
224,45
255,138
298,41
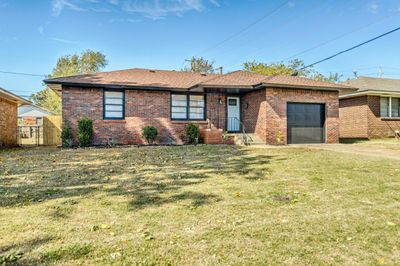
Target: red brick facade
360,118
8,123
263,112
142,108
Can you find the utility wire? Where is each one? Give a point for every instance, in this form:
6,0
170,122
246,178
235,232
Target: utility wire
23,74
351,48
245,28
339,37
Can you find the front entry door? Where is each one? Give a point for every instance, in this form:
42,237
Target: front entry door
233,114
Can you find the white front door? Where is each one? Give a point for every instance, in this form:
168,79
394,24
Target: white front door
233,114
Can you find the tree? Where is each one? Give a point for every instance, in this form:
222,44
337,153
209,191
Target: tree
333,77
294,67
199,64
48,99
88,62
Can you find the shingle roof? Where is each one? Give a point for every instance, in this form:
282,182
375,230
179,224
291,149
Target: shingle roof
302,82
375,84
185,80
12,97
138,77
237,78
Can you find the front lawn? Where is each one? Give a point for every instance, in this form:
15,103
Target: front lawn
205,205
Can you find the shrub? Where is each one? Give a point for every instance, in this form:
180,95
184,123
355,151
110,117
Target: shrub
149,133
66,134
192,133
85,131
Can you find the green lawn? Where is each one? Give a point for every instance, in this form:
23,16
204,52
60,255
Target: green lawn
384,143
205,205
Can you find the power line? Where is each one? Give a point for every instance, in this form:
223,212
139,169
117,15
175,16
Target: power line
351,48
338,37
23,74
245,28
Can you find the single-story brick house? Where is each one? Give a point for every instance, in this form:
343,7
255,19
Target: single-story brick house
279,109
371,111
8,117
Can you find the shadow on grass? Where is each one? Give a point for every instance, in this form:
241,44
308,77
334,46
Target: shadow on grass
149,176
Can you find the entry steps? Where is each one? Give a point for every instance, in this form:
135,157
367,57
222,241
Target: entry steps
250,138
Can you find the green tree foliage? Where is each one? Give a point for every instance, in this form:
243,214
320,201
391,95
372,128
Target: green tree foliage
292,67
66,134
149,133
192,132
87,62
85,131
47,99
199,64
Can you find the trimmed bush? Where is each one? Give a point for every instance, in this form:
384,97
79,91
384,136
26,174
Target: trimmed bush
66,134
192,133
85,131
149,133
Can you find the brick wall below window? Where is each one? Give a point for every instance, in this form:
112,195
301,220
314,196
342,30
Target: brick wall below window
142,108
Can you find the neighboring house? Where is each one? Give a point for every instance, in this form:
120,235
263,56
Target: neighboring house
372,111
29,114
280,109
8,117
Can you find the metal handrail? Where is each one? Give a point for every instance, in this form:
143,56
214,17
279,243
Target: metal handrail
245,138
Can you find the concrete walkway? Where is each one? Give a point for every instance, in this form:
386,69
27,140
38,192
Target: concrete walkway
355,149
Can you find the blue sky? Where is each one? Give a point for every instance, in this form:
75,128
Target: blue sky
161,34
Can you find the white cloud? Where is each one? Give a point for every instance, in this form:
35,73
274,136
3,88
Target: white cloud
58,6
154,9
373,7
41,30
63,40
158,9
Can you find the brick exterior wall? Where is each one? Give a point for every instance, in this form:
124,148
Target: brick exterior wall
360,118
266,114
142,108
263,112
353,117
8,123
253,113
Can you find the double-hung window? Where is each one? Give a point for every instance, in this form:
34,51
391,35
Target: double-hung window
390,107
187,107
114,105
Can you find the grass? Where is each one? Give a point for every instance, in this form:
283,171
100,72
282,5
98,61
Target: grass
205,205
384,143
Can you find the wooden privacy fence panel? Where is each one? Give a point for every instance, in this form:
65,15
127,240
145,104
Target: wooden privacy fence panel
52,130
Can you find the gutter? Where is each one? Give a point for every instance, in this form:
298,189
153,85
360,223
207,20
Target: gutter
369,92
12,97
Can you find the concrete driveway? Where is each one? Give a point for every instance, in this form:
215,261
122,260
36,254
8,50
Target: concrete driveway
367,150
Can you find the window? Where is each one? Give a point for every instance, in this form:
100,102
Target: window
384,106
187,107
113,105
390,107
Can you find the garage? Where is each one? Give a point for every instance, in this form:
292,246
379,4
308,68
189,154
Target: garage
305,123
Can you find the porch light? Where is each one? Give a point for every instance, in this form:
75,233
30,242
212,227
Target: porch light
219,100
247,105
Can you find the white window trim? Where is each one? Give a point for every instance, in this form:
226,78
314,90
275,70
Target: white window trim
390,108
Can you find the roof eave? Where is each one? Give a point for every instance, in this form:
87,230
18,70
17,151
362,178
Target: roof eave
12,97
276,85
370,92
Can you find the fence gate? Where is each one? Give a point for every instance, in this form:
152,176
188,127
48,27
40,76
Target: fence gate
48,133
30,135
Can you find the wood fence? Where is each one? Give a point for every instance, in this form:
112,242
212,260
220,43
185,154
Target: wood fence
52,130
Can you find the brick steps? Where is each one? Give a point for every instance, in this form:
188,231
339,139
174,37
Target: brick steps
253,139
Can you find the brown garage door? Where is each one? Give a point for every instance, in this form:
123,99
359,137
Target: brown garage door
305,123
